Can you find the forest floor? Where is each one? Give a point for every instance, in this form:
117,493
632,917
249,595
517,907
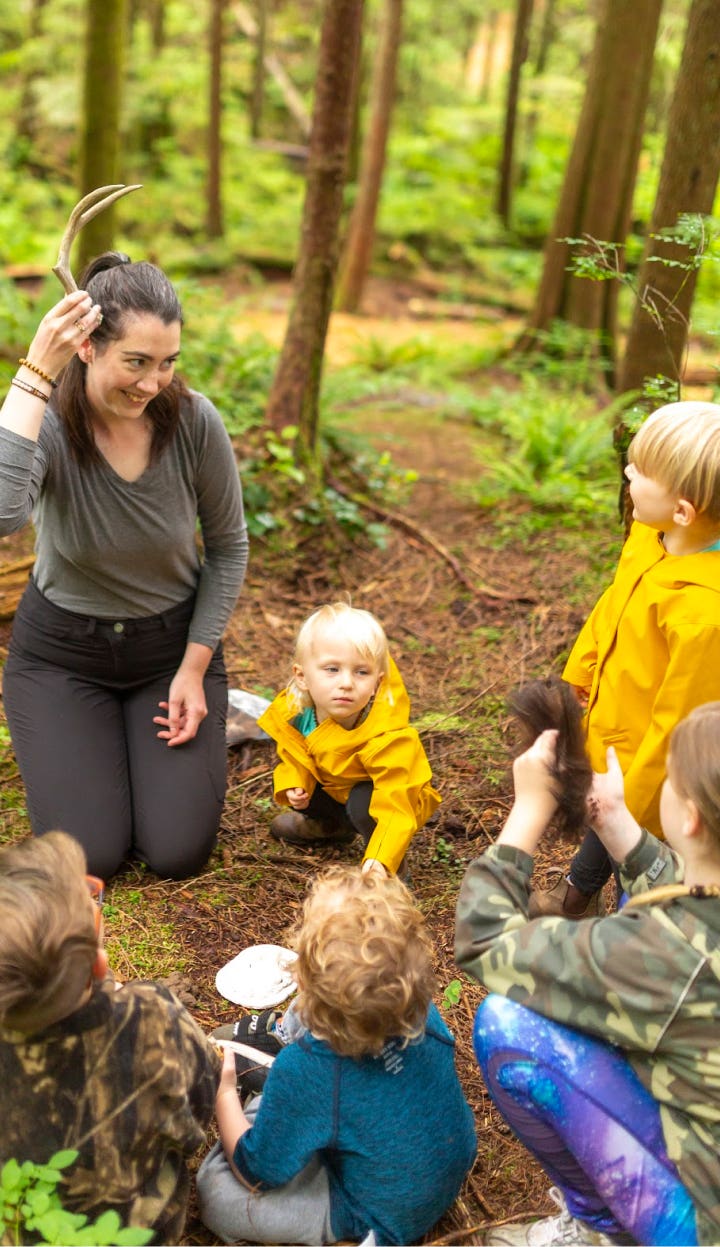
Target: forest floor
470,614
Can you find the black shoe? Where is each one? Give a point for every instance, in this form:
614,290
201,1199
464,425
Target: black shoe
250,1076
255,1029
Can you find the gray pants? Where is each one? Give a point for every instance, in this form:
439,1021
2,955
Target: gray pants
298,1212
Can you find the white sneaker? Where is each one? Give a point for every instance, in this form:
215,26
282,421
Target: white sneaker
557,1231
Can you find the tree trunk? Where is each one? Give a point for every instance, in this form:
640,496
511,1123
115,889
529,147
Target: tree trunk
293,99
26,129
157,24
688,182
214,223
546,38
295,391
102,92
523,15
596,198
257,99
361,231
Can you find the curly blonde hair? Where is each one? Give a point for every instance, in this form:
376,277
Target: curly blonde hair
364,967
48,942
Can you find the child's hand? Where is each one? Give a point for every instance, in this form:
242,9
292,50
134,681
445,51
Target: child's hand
228,1076
608,813
533,778
372,865
298,798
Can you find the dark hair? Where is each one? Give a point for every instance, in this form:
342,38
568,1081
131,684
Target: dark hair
552,703
122,289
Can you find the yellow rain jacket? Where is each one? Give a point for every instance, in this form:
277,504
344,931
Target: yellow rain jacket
382,748
648,654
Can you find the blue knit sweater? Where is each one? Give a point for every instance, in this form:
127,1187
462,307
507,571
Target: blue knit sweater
394,1132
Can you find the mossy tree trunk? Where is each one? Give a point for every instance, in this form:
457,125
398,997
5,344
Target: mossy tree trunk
523,17
257,98
656,344
214,210
361,230
102,100
295,392
27,125
596,198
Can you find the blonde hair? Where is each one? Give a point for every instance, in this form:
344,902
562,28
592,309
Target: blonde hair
48,941
364,967
693,763
359,627
679,446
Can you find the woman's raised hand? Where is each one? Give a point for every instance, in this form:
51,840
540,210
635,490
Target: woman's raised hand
62,330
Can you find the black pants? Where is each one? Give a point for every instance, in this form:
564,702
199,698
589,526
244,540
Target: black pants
80,695
355,814
591,866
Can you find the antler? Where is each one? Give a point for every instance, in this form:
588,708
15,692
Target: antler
83,212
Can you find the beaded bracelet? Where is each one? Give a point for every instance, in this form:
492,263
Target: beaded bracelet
34,368
29,389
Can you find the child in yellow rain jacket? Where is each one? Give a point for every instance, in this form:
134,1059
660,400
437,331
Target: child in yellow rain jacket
650,650
349,761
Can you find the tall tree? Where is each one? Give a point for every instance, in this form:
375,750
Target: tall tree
257,98
523,15
361,230
26,129
688,182
295,391
596,198
214,211
102,97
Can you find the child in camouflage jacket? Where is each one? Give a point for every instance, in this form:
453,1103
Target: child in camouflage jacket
601,1046
121,1074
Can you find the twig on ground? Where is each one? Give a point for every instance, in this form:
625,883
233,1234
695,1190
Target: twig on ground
401,521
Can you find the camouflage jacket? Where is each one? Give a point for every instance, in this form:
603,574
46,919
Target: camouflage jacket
646,979
129,1080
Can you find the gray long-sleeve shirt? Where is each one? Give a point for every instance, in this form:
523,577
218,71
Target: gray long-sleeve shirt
118,549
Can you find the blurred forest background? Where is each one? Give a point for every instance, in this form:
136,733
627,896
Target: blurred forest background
454,147
437,262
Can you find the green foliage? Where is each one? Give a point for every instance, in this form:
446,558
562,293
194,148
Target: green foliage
565,356
452,994
29,1201
696,235
554,452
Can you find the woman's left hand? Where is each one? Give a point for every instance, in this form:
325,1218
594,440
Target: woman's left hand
186,708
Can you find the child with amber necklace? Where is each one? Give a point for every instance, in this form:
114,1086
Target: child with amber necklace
349,761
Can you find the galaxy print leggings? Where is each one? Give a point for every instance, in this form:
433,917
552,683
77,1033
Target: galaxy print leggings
578,1106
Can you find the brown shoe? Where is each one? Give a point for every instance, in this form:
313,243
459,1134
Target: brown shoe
296,828
563,901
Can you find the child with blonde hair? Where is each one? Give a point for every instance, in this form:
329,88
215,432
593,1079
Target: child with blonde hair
349,761
123,1075
650,650
601,1044
362,1125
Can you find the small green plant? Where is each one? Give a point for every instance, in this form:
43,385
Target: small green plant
30,1201
452,994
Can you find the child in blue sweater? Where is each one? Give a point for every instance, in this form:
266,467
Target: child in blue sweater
362,1125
